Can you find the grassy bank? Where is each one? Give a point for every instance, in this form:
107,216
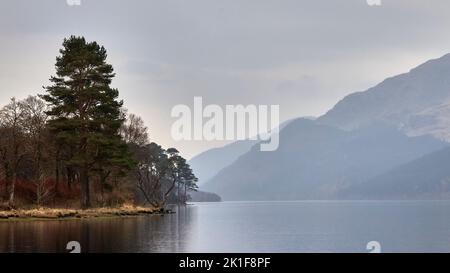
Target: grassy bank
57,213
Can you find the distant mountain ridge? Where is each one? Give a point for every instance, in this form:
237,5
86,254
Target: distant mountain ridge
200,196
418,103
365,136
207,164
316,161
427,177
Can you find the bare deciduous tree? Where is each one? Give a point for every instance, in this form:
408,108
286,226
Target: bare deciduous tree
134,130
34,121
12,148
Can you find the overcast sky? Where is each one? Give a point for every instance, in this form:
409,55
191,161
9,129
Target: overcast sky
304,55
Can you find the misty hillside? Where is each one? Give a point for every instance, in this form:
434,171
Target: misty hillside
426,177
200,196
316,161
364,136
207,164
417,102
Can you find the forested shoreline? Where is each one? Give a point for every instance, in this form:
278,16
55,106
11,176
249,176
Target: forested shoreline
76,146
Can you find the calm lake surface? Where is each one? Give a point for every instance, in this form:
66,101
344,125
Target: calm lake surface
310,226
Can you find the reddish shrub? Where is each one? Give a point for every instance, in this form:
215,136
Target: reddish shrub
25,192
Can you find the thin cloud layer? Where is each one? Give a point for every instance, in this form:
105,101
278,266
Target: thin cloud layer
303,55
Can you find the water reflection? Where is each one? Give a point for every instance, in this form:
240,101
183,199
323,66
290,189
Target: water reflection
155,233
321,226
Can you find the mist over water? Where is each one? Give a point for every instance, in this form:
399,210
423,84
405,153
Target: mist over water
304,226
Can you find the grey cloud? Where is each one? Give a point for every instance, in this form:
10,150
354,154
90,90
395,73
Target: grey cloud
301,54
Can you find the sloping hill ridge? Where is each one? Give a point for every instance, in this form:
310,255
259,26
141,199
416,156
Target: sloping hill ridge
364,136
207,164
425,178
316,161
418,103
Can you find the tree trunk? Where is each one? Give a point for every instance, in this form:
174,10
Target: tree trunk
166,195
4,186
70,178
103,179
57,175
11,190
85,191
178,194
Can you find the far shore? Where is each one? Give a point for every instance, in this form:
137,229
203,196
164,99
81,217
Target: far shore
63,213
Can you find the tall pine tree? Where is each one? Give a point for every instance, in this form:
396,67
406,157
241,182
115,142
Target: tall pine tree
85,111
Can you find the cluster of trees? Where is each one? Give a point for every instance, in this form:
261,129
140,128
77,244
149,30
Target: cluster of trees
76,141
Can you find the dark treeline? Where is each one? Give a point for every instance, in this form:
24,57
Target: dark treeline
76,145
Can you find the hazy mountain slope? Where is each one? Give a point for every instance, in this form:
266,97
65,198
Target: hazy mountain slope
316,161
417,102
363,136
209,163
201,196
426,177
